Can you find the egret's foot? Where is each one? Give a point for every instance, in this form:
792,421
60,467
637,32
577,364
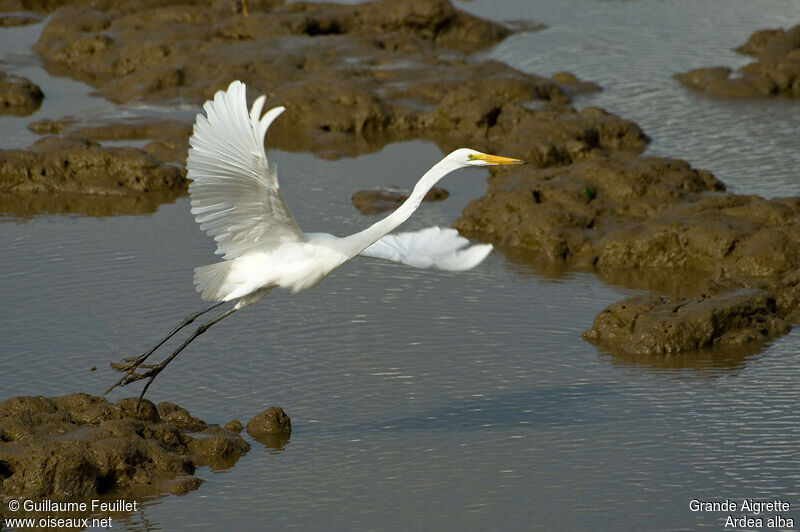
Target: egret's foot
130,365
131,375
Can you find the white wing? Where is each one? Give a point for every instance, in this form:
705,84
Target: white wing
235,195
433,247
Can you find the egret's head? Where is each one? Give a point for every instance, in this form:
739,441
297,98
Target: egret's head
469,157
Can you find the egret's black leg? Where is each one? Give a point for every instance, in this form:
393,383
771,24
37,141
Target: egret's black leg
131,364
155,369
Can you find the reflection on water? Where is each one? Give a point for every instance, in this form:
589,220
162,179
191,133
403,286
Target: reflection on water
21,205
715,359
668,282
432,399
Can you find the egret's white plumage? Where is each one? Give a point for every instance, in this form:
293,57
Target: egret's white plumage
236,200
432,247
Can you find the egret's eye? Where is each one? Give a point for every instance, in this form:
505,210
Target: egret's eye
471,156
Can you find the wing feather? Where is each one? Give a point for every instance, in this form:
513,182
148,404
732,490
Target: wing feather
235,194
433,247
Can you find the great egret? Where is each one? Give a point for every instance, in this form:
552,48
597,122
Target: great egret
236,200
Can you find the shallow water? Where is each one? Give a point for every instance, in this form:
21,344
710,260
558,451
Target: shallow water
428,399
632,49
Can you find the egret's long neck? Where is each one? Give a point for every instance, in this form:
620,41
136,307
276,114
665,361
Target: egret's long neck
373,233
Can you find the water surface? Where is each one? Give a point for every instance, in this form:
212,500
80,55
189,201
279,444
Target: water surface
427,399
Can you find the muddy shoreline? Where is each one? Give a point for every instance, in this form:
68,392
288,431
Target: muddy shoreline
623,213
775,73
107,449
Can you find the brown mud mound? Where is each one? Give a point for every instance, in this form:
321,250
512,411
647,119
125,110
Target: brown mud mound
134,129
775,73
622,212
387,198
80,446
72,165
351,77
637,212
10,21
81,176
560,136
572,85
272,428
168,139
18,96
656,325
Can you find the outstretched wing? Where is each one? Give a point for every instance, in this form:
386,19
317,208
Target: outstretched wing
433,247
235,194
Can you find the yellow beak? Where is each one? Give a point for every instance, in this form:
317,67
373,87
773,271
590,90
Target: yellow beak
496,159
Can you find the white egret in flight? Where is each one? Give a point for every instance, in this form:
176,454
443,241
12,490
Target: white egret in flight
236,200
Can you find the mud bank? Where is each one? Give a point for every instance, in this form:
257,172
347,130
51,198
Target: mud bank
272,428
77,175
658,325
80,446
72,165
353,78
775,73
18,96
389,198
622,212
10,21
103,446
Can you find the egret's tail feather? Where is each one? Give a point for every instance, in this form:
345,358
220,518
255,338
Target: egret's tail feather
210,280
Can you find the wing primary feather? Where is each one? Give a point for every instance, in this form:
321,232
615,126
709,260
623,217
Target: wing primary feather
235,194
255,111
